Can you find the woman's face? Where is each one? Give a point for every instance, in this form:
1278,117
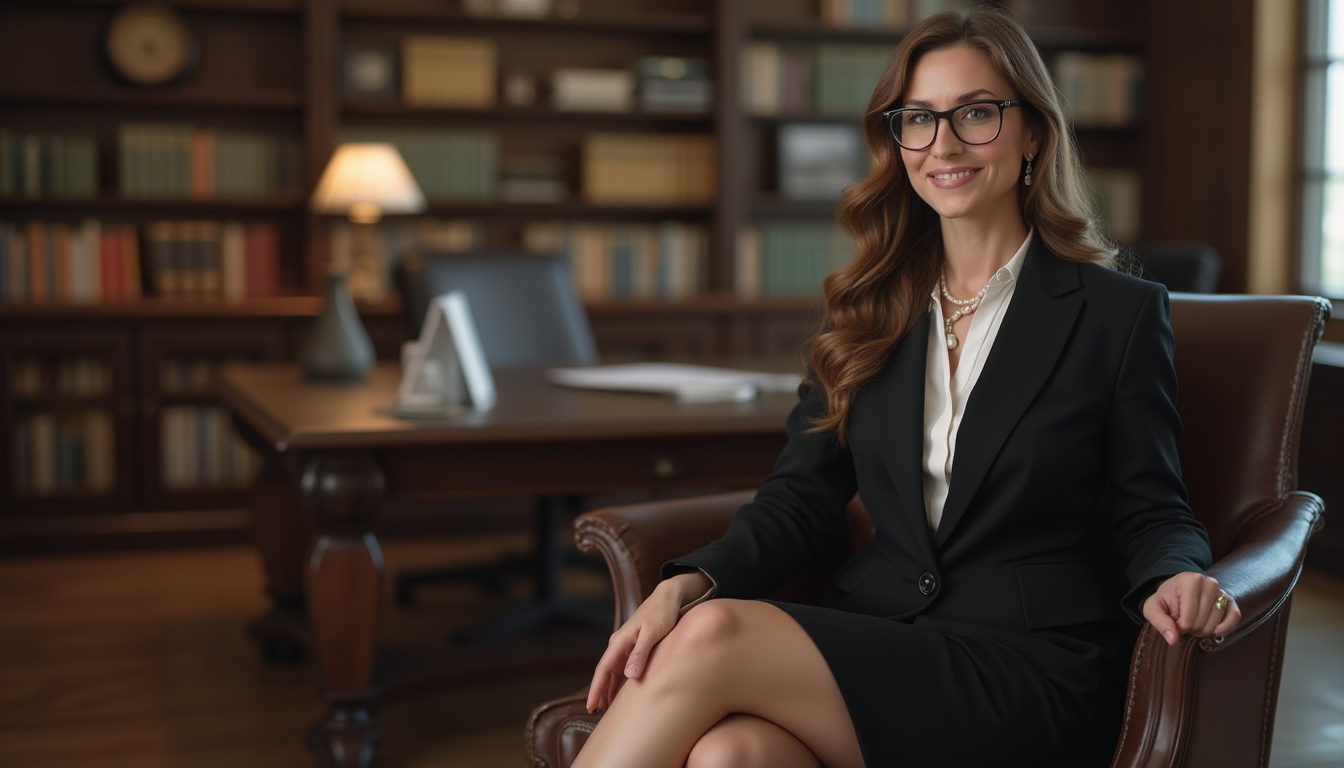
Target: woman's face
958,180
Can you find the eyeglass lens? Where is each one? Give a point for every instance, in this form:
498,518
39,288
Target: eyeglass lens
972,124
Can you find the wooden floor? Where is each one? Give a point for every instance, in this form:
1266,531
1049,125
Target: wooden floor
140,660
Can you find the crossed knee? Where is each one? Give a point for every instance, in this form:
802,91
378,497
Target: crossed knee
744,741
699,648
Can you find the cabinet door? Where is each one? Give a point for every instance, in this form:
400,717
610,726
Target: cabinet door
191,456
66,422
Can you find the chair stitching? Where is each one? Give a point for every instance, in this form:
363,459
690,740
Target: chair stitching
1299,386
1132,695
1268,708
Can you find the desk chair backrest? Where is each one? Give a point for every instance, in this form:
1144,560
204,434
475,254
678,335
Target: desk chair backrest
525,306
1183,266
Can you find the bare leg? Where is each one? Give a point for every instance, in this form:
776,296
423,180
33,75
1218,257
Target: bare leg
725,657
747,741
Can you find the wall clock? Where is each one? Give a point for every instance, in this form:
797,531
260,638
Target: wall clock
149,44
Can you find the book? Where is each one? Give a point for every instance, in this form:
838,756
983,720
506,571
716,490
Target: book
448,71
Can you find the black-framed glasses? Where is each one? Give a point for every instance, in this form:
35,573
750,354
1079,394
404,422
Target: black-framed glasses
975,122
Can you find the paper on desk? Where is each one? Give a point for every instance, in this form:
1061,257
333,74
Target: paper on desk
687,383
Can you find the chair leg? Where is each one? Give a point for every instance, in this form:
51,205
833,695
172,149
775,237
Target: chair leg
549,604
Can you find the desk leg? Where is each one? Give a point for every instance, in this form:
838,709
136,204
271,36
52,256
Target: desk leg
345,493
284,535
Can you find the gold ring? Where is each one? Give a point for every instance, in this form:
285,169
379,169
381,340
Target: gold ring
1221,602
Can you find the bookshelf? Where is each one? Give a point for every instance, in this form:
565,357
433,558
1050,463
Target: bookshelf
289,79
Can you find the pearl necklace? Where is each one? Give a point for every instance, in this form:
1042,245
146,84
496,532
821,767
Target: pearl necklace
964,307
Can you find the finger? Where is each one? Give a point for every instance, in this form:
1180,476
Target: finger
1229,620
1155,611
639,656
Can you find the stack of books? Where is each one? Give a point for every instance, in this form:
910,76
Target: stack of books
648,169
867,13
441,71
532,179
627,261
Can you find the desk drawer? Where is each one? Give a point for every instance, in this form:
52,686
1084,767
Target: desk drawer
584,467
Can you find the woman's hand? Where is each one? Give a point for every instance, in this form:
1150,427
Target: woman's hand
628,649
1188,603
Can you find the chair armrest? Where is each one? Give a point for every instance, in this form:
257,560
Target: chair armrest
636,539
1261,572
1164,679
557,730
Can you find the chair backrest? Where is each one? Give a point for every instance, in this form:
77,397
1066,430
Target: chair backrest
525,306
1180,265
1242,366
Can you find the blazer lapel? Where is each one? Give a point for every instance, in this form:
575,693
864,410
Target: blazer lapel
903,452
1038,322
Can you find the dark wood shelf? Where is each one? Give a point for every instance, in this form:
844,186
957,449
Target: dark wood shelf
273,307
446,14
23,401
176,98
159,206
496,115
230,6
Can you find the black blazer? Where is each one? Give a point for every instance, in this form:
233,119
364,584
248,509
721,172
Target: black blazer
1076,400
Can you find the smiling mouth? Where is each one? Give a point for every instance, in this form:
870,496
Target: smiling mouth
952,176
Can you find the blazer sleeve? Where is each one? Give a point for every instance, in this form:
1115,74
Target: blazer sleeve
1157,534
796,517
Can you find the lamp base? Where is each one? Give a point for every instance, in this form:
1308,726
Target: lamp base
339,349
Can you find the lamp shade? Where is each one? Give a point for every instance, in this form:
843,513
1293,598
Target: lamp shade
365,181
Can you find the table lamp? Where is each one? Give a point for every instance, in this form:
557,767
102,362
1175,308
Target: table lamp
363,182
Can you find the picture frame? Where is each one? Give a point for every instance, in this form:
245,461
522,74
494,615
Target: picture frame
369,71
444,371
816,161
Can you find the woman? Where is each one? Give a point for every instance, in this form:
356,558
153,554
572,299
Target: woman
983,381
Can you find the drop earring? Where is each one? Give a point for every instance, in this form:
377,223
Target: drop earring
1027,180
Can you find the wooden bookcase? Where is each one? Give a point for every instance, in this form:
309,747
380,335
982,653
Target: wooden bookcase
274,68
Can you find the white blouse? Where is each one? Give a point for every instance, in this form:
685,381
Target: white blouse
945,396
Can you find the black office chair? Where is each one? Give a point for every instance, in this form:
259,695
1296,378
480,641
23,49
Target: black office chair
1181,266
528,315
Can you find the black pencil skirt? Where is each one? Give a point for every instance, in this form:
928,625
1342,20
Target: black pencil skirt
939,694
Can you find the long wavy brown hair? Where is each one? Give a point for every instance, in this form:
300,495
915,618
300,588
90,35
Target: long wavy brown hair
872,303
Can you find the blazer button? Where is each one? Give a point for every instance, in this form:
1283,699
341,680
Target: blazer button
928,583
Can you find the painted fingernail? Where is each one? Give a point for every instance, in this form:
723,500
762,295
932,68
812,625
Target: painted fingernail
632,670
1171,637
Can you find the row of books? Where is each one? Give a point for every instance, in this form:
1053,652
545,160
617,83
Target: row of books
648,169
1100,89
866,13
47,164
67,375
788,258
212,259
71,450
448,164
95,261
831,80
187,374
78,263
661,84
627,261
198,448
174,160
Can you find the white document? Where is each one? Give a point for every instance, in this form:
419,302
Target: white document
446,367
687,383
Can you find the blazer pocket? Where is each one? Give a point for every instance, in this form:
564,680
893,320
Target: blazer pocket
851,574
1062,594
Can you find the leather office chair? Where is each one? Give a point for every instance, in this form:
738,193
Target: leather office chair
1180,265
1243,365
528,315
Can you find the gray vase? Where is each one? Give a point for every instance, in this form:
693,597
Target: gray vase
339,349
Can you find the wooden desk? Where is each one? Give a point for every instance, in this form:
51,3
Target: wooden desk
331,460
